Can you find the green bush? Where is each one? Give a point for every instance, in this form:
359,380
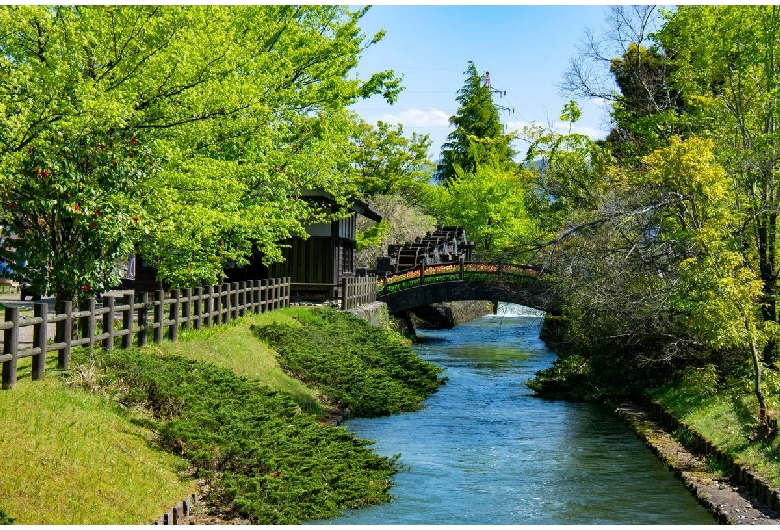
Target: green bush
5,518
360,367
568,378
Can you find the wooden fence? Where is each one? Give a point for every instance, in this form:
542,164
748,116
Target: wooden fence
356,291
140,316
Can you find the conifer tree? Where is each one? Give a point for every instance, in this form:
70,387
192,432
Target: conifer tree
477,119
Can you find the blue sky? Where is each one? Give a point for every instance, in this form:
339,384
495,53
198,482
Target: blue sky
525,48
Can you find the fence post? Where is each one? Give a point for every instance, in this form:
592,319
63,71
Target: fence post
159,297
143,320
384,281
227,303
208,292
217,313
462,260
11,346
344,294
127,320
41,311
234,300
88,322
264,296
64,333
196,314
241,299
228,295
186,304
173,331
255,296
108,322
422,273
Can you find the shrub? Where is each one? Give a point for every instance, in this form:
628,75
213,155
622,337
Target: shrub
263,458
360,367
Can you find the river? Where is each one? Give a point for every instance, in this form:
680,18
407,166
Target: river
484,451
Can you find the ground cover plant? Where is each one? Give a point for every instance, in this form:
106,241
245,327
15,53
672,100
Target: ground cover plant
235,347
359,367
264,459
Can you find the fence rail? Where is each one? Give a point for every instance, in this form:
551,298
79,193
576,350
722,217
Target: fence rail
139,316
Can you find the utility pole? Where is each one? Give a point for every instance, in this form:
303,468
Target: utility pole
501,94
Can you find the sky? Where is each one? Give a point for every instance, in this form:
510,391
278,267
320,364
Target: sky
526,49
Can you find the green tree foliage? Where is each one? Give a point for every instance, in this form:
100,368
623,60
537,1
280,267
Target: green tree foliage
569,175
477,118
489,203
387,162
392,172
188,105
725,59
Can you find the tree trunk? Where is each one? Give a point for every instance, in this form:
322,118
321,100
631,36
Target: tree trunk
758,390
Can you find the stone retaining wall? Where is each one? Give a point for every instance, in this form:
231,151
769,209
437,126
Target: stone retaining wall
765,500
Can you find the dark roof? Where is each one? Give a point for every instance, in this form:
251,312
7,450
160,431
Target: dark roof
356,205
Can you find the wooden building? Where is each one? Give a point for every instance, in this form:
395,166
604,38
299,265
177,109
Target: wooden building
316,265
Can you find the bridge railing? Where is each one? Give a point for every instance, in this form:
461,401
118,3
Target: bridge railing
452,271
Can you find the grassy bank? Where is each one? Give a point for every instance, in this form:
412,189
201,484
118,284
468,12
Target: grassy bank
723,411
216,404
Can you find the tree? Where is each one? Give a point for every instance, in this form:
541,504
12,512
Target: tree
489,204
387,162
647,111
718,296
163,118
477,118
725,61
590,74
626,66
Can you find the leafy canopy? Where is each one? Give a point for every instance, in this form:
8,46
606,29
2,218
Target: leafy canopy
194,127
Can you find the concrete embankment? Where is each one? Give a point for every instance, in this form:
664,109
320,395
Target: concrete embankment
738,496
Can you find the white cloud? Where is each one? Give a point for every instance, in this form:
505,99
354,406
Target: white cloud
560,127
414,118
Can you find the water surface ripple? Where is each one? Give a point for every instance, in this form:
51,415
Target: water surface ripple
483,451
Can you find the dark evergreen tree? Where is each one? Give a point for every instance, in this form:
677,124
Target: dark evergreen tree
478,136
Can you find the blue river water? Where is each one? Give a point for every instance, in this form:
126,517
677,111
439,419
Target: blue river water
484,451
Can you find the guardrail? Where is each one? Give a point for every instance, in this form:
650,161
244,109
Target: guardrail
187,308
